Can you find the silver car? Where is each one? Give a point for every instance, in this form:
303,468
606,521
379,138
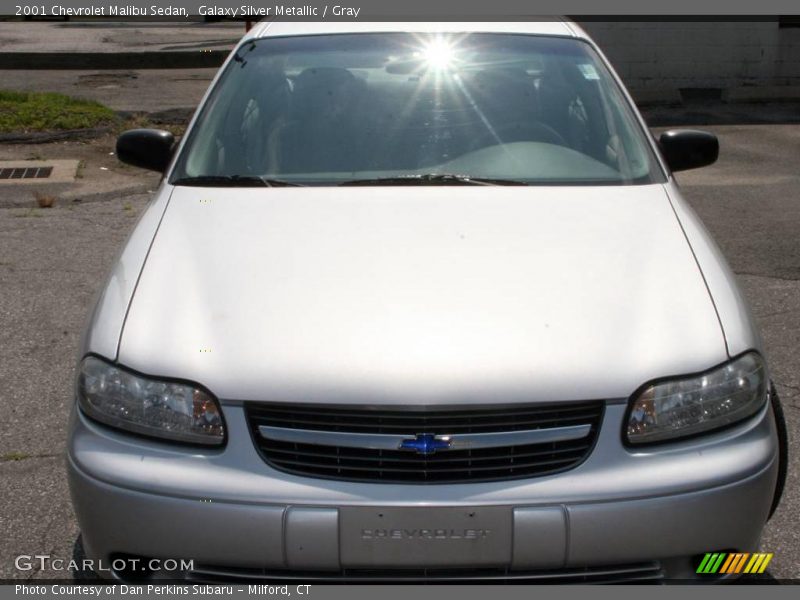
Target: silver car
420,301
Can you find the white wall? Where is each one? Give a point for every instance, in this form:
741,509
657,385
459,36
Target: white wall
745,59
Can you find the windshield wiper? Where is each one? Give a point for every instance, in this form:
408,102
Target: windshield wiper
434,178
233,181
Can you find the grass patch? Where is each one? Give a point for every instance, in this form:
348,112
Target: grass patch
35,111
31,212
14,456
18,456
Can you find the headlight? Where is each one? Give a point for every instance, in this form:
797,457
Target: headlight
174,411
682,407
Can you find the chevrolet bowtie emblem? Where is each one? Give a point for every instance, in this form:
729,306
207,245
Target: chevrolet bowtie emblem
426,443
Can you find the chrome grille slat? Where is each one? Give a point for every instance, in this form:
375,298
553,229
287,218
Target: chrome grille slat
443,458
412,413
511,425
429,468
284,437
401,423
388,441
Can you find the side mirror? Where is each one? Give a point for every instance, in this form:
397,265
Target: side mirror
146,148
688,148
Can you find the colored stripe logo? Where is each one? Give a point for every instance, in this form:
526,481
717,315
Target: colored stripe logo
734,562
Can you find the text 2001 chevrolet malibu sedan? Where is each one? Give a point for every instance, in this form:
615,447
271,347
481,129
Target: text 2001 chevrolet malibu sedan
421,301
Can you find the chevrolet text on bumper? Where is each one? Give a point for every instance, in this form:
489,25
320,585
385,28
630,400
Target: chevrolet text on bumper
421,301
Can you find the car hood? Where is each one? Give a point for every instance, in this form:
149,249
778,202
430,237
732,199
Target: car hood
420,294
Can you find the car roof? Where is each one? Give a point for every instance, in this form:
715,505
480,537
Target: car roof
552,27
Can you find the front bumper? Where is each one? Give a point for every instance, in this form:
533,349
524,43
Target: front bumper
228,508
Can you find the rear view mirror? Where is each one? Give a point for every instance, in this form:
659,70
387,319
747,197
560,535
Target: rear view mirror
146,148
688,148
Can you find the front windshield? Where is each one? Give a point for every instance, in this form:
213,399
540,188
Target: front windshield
343,109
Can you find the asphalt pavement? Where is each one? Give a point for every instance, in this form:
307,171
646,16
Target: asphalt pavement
107,36
127,88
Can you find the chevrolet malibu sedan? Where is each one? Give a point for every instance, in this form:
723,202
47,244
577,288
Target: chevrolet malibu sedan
421,301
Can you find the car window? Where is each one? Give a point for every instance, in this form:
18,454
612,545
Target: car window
333,109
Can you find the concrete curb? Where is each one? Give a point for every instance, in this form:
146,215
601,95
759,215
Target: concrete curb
201,59
15,201
142,188
48,137
758,93
667,97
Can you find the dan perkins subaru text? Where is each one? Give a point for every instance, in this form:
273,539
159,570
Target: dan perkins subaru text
157,590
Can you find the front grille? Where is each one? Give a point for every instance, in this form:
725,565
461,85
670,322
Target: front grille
648,572
394,465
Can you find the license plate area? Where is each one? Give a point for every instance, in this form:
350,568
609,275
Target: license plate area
425,536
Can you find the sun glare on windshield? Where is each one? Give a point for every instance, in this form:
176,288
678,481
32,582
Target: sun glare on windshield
439,54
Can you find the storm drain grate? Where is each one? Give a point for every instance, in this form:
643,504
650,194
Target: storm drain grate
26,173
